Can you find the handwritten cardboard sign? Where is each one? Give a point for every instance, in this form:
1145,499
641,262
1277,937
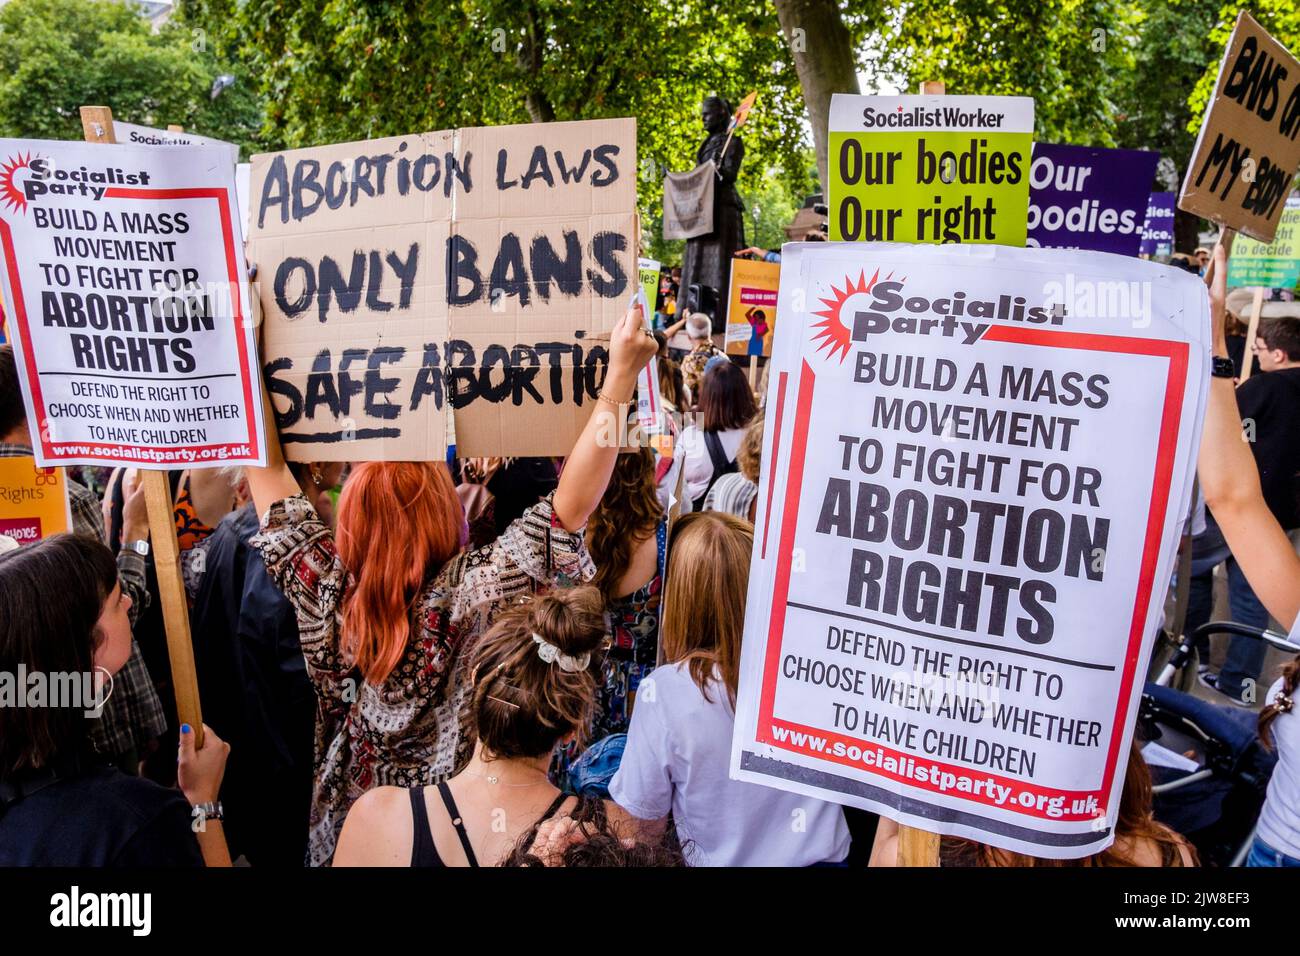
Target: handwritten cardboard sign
1249,145
470,275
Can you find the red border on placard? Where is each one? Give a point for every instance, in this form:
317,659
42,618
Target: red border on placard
232,269
1176,354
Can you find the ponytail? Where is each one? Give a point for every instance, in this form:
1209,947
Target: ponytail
1280,704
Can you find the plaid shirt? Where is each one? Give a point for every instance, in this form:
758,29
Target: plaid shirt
133,714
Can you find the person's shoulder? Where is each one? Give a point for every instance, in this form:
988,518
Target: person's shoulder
378,830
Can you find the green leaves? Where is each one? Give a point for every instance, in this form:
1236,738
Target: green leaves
59,55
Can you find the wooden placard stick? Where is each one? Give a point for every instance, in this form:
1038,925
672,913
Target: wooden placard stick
918,847
1252,329
753,371
97,126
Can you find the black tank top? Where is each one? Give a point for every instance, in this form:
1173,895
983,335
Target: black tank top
423,851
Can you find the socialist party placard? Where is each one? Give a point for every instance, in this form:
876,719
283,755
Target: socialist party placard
124,286
1084,198
930,168
975,470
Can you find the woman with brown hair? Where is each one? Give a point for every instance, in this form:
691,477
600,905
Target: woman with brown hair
1140,839
388,602
532,684
707,449
678,751
627,537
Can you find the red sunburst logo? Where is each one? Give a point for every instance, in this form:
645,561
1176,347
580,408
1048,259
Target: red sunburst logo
834,331
10,192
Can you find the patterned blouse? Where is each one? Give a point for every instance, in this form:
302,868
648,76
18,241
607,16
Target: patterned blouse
413,729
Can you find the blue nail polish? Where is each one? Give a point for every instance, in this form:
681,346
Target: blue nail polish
185,728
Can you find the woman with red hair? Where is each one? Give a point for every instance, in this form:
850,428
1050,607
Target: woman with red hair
388,603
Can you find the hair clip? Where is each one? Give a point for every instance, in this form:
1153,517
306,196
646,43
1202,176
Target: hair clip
500,701
1283,702
552,655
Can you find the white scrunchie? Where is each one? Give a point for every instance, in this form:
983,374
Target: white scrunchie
551,654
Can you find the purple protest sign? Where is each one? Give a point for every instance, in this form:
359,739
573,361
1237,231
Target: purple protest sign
1158,231
1084,198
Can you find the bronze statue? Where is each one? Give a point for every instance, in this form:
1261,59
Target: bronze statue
707,261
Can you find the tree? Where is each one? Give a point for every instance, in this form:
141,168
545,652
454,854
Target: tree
59,55
824,58
1069,55
340,70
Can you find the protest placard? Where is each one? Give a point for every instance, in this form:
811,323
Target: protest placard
954,586
471,272
1248,148
1158,227
124,280
1084,198
930,168
1273,265
751,312
33,500
131,134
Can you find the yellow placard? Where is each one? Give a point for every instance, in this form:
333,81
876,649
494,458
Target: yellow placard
751,313
33,501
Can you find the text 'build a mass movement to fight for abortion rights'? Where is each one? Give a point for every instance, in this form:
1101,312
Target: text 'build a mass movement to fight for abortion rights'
124,279
974,476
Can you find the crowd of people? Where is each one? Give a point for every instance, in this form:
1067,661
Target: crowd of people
515,662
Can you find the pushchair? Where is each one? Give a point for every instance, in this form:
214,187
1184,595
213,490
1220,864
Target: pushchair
1214,795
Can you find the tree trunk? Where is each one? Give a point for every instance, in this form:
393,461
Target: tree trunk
823,58
536,101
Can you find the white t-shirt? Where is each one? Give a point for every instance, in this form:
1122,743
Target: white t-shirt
695,455
677,759
1279,821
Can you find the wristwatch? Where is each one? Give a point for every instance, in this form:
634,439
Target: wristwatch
1222,367
209,811
140,547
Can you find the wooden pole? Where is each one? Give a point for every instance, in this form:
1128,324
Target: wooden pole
97,126
1256,306
753,371
918,847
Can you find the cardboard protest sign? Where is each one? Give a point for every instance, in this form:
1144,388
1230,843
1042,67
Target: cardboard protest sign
975,471
1248,148
751,312
1083,198
130,134
33,500
930,168
1158,228
124,279
473,273
1274,265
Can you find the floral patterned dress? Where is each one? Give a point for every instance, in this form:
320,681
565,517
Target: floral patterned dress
413,729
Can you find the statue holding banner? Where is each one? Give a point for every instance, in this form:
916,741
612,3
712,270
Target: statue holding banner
707,261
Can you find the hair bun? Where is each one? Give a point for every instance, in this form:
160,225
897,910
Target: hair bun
572,619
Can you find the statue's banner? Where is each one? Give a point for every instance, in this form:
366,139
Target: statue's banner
457,283
975,472
930,168
688,202
1276,264
1083,198
1249,145
1158,228
751,309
